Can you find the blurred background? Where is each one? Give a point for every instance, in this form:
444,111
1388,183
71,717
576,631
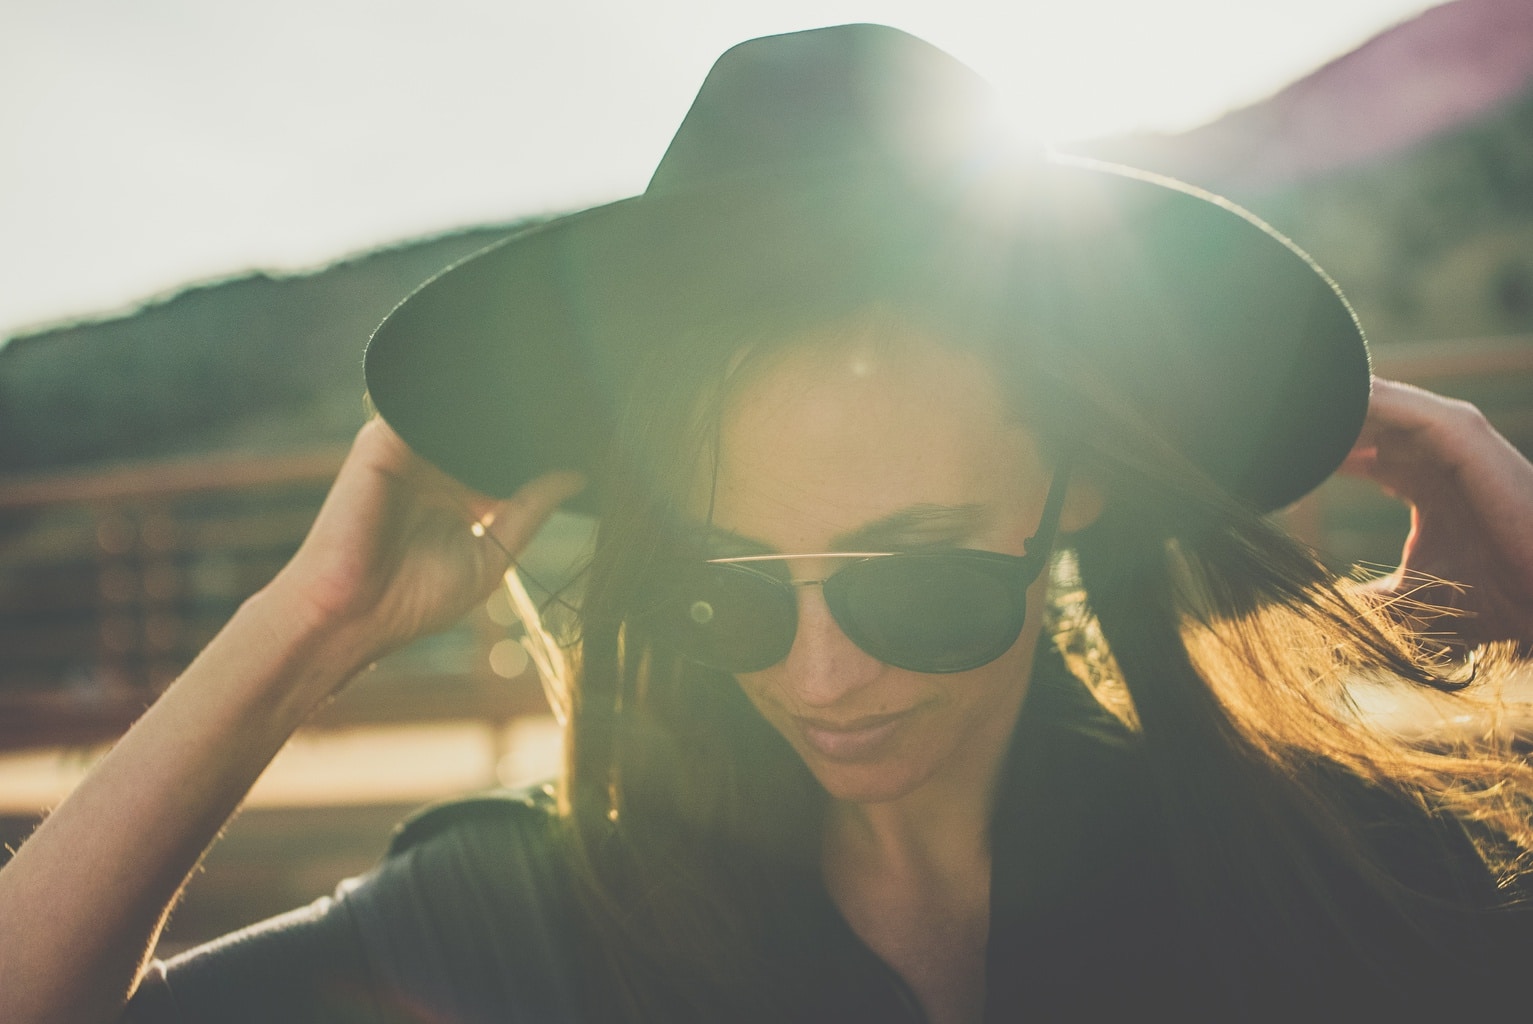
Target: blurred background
207,207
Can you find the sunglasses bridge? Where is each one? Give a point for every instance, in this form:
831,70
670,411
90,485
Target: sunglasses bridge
701,612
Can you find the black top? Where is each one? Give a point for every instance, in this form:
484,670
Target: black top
468,919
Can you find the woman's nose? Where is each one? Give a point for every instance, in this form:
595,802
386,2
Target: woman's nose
824,666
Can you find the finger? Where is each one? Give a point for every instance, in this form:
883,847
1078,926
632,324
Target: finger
1408,439
1360,461
1394,406
1398,403
380,444
1383,401
510,524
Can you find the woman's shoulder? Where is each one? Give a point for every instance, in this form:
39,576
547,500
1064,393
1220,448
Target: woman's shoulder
526,817
469,915
464,857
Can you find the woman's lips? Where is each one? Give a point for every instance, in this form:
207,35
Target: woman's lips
860,739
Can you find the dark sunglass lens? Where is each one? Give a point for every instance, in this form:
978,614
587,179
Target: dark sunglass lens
728,617
928,613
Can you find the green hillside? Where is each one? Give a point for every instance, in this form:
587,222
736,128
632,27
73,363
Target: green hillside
254,363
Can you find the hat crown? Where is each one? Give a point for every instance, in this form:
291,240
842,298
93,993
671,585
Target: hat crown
823,169
859,99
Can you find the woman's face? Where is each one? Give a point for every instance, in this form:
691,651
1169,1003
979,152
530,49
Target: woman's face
849,445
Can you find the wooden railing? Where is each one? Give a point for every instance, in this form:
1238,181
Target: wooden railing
110,582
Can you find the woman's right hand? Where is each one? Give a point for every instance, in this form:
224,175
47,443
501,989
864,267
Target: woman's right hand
393,553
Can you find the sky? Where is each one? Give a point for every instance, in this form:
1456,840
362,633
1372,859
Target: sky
149,144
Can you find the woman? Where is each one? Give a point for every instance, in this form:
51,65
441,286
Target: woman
935,661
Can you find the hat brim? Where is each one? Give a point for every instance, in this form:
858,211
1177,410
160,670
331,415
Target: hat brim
515,361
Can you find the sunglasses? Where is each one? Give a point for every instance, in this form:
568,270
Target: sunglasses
926,611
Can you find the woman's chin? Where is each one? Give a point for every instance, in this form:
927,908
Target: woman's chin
866,783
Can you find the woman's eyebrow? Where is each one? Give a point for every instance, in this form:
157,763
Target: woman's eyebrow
923,521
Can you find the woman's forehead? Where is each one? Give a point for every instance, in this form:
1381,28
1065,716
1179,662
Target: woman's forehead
855,435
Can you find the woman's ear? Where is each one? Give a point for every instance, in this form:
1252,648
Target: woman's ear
1083,506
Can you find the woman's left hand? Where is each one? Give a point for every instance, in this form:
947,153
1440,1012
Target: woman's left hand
1470,547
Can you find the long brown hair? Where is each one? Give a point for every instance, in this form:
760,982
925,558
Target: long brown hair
1228,649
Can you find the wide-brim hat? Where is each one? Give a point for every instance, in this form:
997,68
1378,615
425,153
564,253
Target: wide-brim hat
853,159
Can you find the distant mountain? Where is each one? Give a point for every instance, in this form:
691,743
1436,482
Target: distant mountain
1448,67
1405,167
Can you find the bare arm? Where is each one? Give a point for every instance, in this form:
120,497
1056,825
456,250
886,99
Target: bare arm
389,558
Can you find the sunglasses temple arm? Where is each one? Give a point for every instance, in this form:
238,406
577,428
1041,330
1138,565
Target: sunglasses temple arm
1048,524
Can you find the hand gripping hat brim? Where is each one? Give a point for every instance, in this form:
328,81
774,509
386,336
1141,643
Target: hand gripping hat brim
848,159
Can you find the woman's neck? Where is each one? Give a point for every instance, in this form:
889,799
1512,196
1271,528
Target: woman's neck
911,876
